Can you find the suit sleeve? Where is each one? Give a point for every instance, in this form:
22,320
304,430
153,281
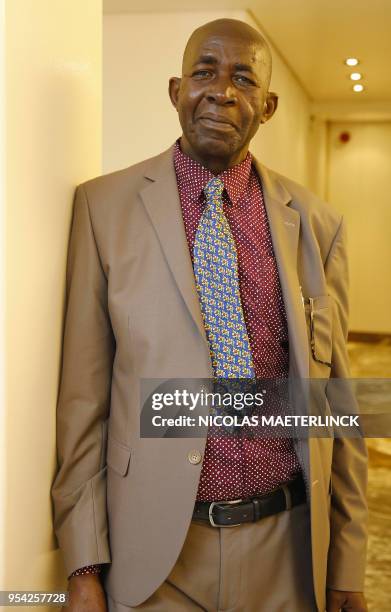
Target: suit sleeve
348,521
79,487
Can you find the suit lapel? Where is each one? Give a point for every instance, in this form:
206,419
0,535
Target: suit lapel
284,223
161,201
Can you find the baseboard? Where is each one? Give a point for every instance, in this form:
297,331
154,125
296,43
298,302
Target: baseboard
360,336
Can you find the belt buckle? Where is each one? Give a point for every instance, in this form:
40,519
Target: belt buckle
213,504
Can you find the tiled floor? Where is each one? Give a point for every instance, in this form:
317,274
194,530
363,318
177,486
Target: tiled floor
374,361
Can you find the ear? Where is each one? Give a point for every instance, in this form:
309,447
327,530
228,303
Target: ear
173,90
270,106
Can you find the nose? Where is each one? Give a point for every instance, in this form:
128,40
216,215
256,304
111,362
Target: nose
221,91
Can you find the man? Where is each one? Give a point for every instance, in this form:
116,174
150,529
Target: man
140,305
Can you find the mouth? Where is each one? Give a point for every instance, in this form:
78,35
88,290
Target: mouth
216,122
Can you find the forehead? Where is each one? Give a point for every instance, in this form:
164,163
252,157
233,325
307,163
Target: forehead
224,47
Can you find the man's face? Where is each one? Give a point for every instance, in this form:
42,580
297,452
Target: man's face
221,97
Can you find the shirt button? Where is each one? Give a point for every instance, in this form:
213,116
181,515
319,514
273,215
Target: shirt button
194,456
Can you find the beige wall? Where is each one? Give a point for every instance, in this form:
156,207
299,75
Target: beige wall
359,186
138,120
53,118
2,305
317,156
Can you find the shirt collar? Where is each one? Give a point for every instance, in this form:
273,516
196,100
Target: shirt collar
193,176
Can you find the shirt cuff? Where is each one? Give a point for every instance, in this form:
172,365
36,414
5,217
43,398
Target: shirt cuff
87,569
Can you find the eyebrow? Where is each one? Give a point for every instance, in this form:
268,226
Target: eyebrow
205,59
211,60
244,67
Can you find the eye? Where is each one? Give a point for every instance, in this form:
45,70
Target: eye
243,79
201,74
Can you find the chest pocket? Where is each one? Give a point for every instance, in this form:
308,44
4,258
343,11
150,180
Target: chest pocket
319,321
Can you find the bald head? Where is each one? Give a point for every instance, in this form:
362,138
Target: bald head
223,94
233,30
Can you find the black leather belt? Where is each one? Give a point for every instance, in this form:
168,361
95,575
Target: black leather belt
238,511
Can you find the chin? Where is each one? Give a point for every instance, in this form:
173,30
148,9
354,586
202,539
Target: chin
215,145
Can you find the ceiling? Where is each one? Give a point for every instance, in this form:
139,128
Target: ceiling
313,37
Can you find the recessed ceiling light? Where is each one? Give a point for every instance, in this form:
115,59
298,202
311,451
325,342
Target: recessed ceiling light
356,76
352,61
358,87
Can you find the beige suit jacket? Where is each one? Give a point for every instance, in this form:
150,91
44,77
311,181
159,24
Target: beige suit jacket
132,312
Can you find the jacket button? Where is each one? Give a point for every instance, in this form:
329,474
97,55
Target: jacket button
194,456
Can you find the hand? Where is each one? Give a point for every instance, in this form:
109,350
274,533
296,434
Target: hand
346,601
86,594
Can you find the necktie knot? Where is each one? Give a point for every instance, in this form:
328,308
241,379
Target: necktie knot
213,191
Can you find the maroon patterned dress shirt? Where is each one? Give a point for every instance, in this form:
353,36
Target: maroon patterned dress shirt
236,467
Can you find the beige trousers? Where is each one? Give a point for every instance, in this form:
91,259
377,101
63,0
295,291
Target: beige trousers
255,567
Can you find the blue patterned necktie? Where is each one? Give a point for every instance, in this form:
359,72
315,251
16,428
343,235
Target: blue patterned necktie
217,281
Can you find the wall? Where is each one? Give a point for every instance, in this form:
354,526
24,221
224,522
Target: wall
3,464
359,185
138,119
317,156
53,142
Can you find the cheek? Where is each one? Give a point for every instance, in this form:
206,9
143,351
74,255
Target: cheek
188,102
256,105
251,112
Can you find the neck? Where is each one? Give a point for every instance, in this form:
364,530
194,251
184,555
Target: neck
215,164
